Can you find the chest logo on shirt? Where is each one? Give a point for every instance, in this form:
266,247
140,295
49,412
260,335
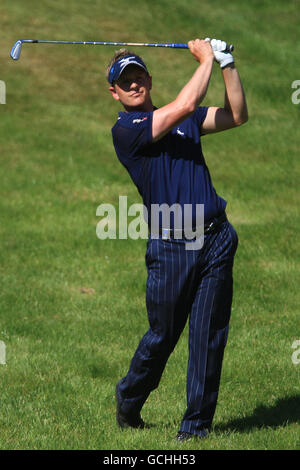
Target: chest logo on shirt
179,132
137,121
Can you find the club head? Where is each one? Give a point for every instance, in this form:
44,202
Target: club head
16,50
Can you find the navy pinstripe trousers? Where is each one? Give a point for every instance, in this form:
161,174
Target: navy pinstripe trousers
185,283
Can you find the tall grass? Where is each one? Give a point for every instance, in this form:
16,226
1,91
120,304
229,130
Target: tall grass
72,307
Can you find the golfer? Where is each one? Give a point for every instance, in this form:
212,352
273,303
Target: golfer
161,149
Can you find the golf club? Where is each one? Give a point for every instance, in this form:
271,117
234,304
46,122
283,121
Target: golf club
16,49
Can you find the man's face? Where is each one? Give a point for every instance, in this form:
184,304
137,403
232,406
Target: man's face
133,89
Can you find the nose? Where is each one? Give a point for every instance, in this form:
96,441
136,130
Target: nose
134,83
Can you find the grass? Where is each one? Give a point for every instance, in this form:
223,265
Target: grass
72,306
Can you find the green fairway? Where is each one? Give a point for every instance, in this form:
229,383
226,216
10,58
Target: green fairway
72,306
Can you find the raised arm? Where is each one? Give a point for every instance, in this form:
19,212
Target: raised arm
234,113
189,98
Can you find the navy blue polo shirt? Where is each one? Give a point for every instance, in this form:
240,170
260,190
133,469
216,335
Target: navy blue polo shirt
171,170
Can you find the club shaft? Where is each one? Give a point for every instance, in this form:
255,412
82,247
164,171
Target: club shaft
98,43
16,50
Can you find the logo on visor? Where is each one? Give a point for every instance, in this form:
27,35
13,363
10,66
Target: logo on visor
127,60
121,64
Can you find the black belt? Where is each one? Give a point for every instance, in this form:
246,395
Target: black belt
210,227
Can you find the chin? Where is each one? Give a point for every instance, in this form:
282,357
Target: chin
139,99
137,104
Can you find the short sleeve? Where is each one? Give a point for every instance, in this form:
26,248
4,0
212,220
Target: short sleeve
131,133
200,115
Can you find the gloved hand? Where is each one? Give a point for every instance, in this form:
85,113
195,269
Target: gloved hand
221,56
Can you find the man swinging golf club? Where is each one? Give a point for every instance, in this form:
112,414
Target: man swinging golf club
161,149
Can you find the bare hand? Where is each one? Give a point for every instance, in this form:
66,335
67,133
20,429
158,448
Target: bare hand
201,50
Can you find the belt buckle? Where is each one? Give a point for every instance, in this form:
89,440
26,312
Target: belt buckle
210,227
165,234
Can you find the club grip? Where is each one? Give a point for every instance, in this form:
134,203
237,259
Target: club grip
229,47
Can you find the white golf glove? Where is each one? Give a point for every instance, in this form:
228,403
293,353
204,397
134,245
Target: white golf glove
222,57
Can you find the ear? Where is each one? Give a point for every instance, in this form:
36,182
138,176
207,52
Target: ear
150,82
114,93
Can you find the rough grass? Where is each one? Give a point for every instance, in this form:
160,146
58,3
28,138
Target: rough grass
72,306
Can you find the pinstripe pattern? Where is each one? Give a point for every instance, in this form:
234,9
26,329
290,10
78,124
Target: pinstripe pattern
185,283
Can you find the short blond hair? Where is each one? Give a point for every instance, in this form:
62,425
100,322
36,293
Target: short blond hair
117,55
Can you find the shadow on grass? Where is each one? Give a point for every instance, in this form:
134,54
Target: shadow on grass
286,410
